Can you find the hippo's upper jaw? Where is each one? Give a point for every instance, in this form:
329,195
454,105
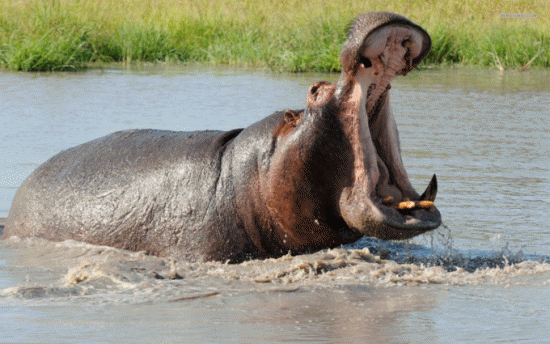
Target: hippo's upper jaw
379,199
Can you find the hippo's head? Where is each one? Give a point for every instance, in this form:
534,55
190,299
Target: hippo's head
337,170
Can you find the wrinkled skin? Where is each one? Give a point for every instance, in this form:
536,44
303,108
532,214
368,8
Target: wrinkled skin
295,181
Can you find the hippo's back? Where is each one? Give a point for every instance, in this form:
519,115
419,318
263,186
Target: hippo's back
131,189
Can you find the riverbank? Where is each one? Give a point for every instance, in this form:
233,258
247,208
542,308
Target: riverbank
296,36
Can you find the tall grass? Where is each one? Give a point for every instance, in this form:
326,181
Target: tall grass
287,35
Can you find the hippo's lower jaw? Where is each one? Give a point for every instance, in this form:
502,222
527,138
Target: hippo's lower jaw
397,220
407,219
407,225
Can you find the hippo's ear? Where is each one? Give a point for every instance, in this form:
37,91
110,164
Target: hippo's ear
292,118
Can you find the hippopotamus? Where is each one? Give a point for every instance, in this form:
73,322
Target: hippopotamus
293,182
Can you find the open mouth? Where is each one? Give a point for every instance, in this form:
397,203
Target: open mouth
400,212
388,53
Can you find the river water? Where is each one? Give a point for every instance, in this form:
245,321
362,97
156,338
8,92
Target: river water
482,277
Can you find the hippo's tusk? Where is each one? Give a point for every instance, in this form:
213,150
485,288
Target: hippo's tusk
431,191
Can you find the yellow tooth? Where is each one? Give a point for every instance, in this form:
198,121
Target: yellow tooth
410,205
405,205
425,204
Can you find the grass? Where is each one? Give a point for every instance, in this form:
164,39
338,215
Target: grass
286,35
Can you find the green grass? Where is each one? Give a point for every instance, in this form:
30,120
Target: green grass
291,35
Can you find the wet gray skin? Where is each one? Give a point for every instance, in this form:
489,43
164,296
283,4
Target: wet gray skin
295,181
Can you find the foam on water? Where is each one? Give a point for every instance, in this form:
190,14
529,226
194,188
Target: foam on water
73,270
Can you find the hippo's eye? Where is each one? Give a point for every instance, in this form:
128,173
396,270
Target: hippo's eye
365,61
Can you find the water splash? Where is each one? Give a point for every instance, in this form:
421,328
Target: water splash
70,270
442,253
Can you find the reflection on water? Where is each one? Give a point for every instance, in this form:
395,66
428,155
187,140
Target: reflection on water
485,135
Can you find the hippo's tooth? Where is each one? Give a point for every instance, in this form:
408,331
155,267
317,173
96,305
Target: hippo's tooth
406,205
412,205
425,204
431,191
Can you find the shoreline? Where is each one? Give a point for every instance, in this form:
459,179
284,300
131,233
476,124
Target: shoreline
291,36
177,65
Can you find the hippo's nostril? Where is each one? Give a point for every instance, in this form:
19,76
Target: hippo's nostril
314,90
366,62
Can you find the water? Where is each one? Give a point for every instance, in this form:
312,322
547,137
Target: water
482,278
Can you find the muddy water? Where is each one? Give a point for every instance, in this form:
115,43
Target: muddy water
483,277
